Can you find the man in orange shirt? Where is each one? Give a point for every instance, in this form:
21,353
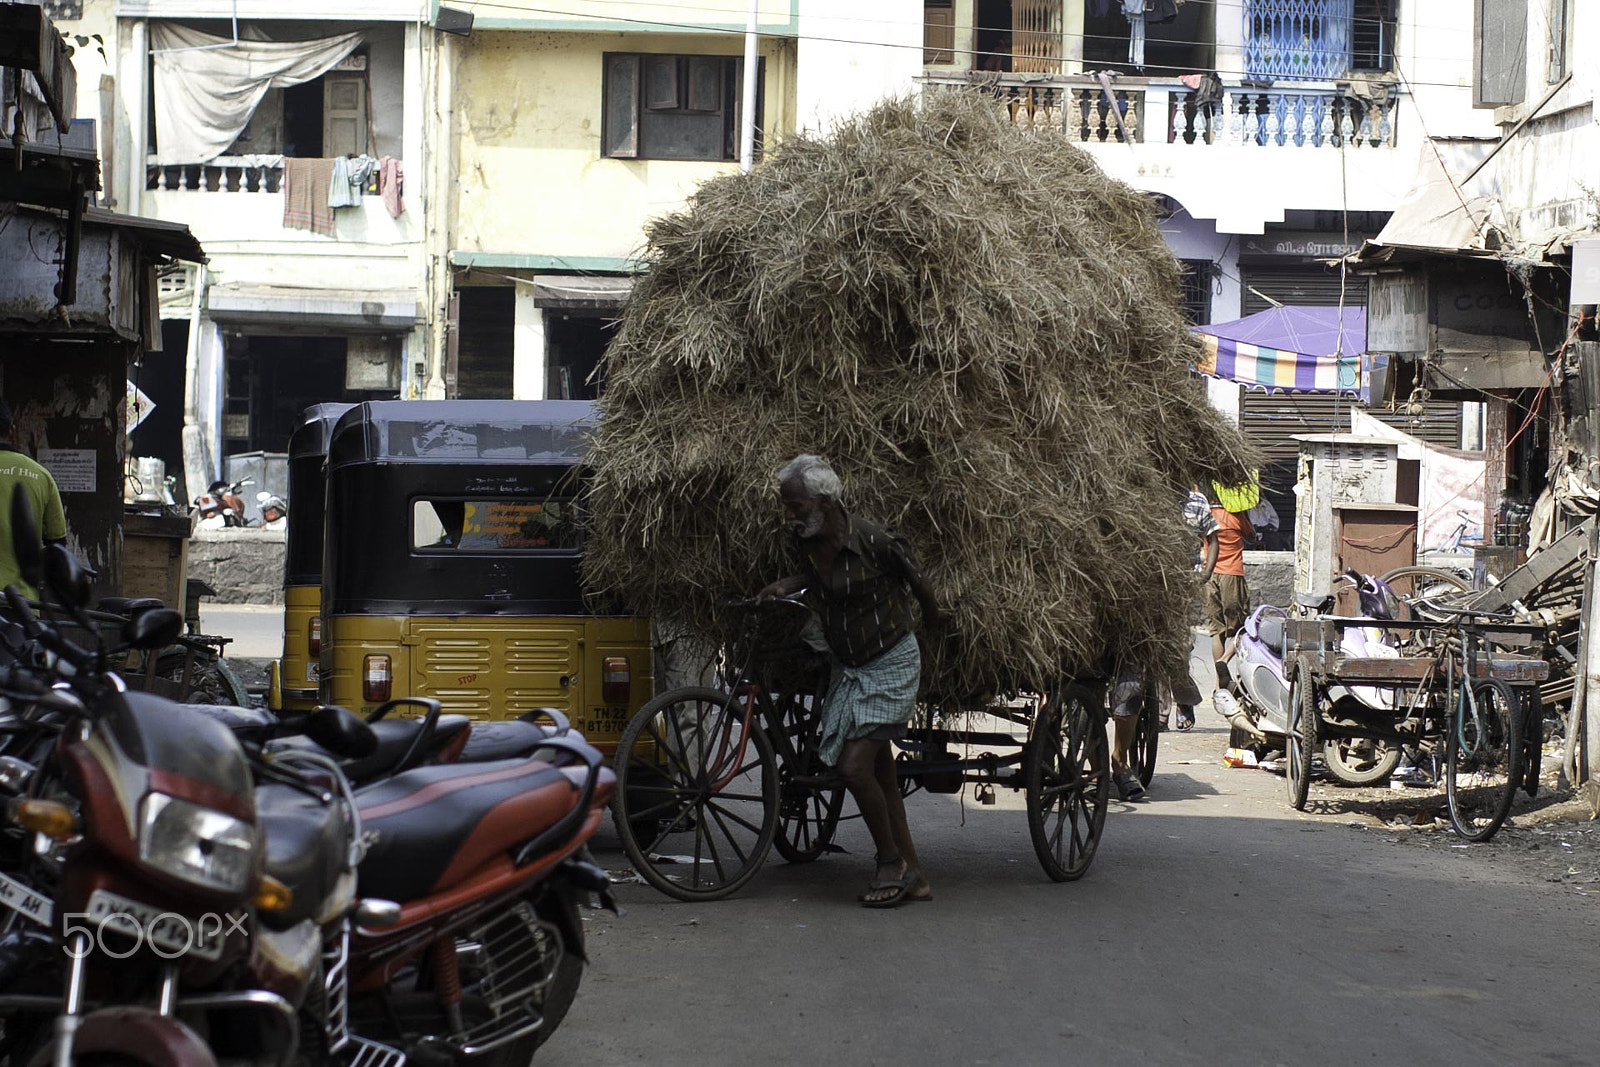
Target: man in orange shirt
1227,595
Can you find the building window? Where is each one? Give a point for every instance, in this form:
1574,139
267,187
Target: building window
1558,18
1372,35
1500,59
674,107
1194,290
938,31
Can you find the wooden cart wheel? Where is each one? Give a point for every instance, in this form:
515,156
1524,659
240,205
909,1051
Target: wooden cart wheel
1483,756
1067,771
695,813
1147,739
1301,744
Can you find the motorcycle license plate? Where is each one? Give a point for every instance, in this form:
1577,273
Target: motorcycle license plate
24,901
164,931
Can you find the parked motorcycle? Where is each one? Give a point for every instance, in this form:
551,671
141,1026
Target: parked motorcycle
1256,705
218,901
221,505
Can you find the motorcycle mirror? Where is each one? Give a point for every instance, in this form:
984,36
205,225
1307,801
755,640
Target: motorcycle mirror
69,580
26,544
152,628
341,732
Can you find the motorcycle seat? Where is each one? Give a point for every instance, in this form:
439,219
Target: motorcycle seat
124,605
1270,631
1313,601
394,740
502,740
433,827
306,848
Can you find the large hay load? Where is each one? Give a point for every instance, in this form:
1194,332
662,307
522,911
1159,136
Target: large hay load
980,331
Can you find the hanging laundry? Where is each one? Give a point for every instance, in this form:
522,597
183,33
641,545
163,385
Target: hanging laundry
391,183
305,195
1157,12
1101,8
349,181
1133,11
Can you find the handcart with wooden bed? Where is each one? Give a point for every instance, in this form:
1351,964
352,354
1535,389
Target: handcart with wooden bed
710,779
1464,699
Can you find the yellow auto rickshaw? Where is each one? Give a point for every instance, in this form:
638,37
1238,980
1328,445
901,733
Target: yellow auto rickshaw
452,550
293,682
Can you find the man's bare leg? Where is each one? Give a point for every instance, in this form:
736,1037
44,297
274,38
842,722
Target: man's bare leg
1122,733
858,765
889,782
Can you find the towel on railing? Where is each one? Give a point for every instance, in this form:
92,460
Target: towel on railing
391,182
305,195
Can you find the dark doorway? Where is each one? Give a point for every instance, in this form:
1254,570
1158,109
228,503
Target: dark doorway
483,351
162,376
575,344
302,120
994,35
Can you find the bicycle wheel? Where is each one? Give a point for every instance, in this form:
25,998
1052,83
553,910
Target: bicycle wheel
1067,772
807,815
1147,739
1483,757
696,813
1301,744
1428,591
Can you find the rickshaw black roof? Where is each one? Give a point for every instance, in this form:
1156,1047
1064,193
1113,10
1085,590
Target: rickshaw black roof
554,432
310,438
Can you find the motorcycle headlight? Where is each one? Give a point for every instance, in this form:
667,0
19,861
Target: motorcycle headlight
202,847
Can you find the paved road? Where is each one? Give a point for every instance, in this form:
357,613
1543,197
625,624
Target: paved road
1215,926
256,629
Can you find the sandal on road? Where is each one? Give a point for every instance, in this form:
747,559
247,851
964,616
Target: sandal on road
1185,719
888,893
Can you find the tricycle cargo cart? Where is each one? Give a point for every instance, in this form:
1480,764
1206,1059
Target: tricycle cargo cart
1461,698
710,779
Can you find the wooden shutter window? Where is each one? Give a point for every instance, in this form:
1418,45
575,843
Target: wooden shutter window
619,134
938,32
661,83
705,84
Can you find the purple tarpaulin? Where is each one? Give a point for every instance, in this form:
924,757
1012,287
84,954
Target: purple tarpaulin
1292,347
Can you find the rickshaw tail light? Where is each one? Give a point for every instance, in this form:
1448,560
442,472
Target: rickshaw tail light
314,636
616,680
376,678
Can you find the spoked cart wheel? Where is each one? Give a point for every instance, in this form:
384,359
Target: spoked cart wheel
807,815
696,810
1067,771
1483,758
1147,738
1301,744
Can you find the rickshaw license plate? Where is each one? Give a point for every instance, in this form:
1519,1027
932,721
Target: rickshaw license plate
604,720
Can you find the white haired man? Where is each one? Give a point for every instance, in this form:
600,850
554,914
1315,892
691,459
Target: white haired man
864,582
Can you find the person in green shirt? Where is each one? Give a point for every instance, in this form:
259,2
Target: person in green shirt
17,469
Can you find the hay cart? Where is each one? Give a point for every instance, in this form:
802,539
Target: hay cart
1460,698
709,779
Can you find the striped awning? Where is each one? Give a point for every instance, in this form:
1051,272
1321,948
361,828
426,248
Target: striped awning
1276,368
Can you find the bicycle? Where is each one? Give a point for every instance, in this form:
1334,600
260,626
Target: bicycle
727,774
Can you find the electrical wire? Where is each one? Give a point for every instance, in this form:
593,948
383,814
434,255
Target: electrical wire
699,28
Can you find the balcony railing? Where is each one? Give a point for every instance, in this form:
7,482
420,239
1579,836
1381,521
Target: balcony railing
1086,110
1079,108
225,174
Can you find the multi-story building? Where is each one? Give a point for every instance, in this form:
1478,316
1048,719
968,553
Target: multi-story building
233,118
1277,135
575,124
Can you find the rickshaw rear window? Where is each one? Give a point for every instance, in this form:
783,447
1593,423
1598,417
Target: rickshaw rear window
549,525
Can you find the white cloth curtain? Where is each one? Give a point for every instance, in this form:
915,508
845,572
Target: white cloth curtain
204,99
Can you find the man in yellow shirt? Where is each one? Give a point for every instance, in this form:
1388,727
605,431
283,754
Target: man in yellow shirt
17,469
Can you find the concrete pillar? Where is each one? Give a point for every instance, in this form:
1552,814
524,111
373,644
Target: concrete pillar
1072,37
1230,38
136,101
437,195
528,348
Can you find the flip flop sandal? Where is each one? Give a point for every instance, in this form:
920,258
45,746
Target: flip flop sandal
901,887
1185,721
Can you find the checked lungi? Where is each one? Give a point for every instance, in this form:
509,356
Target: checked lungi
861,700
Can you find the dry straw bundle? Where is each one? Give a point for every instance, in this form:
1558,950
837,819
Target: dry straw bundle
979,329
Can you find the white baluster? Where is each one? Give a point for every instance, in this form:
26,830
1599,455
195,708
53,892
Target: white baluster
1346,127
1235,117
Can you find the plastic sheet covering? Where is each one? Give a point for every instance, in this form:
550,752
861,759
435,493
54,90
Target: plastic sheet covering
205,94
